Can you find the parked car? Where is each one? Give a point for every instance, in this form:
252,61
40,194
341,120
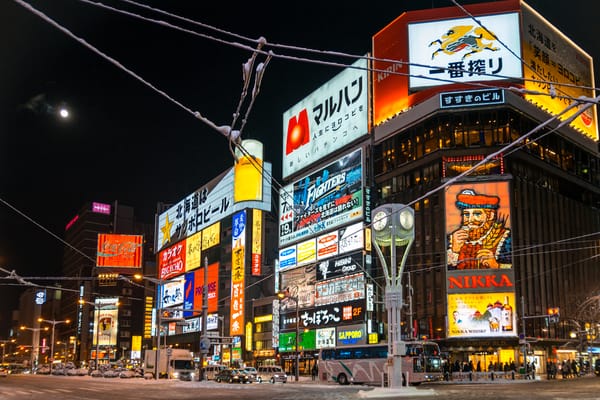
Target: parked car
128,373
252,373
43,369
96,373
58,369
3,372
211,371
271,373
597,367
232,375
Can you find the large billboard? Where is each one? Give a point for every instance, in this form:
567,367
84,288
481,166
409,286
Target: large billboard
326,199
447,50
106,317
328,119
480,278
555,63
481,315
330,315
461,50
207,205
443,51
122,252
340,290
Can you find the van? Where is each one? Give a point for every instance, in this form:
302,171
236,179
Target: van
211,371
270,373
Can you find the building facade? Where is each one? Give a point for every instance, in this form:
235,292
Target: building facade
532,191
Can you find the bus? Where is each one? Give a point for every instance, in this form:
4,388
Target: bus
368,364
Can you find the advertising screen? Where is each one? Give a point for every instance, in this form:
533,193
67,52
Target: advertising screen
300,283
326,199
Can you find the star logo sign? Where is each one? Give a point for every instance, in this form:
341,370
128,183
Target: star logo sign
166,231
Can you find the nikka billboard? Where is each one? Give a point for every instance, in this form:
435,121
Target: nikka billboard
480,279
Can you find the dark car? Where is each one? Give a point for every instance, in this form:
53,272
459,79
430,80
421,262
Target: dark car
231,375
597,367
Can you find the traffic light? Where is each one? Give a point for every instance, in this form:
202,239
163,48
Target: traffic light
553,315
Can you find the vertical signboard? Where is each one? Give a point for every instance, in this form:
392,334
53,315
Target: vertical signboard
106,325
238,245
194,286
480,277
193,251
248,171
256,242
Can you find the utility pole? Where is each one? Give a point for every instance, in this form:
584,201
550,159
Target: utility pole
410,308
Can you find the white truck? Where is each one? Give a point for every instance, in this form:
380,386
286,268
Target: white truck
170,364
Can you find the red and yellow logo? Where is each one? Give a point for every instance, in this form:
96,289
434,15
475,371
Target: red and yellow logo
298,132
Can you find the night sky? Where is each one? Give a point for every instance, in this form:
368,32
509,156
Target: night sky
126,142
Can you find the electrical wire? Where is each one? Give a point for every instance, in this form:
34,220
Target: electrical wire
227,131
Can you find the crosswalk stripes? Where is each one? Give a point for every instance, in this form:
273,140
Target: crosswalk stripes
22,393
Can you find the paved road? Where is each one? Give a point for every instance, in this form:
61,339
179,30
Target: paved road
34,387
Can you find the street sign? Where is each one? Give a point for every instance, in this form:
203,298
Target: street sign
226,340
221,340
204,344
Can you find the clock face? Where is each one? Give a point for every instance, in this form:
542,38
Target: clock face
406,219
380,220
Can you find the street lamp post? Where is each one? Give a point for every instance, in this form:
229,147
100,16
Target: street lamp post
53,323
287,294
393,225
34,341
